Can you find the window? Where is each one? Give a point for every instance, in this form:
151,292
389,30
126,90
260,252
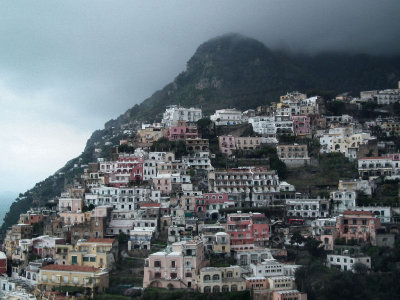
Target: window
206,278
85,258
76,280
215,277
157,264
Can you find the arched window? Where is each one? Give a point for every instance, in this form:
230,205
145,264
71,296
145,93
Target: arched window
234,288
229,274
225,288
216,289
207,289
206,277
215,277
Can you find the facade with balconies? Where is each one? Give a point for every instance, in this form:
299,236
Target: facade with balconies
182,131
174,113
209,204
388,165
358,226
175,267
301,125
251,255
307,208
343,200
216,280
248,228
256,184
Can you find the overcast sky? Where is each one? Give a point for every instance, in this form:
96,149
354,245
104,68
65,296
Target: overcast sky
66,67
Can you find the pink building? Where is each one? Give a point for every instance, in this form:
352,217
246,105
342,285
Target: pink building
163,183
360,226
210,203
177,268
70,204
182,132
248,228
256,283
227,144
301,125
128,164
70,218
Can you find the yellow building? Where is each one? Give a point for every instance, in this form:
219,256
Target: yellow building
222,243
95,252
390,127
216,280
147,136
90,279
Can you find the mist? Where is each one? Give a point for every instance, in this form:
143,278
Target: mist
66,67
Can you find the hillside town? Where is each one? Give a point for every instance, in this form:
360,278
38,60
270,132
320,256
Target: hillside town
230,202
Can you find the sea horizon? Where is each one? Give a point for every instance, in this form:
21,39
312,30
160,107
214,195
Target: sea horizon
6,199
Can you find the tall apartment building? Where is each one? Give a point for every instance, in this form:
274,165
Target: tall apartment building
174,113
256,184
248,228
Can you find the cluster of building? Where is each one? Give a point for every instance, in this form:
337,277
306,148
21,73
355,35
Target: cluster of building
146,195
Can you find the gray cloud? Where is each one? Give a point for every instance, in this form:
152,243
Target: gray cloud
94,59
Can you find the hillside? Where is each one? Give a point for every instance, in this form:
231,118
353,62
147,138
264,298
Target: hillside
228,71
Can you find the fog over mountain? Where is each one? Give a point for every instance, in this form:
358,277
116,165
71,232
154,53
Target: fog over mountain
67,67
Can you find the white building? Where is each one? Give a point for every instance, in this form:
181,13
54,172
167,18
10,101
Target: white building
121,199
307,208
284,125
227,117
13,289
264,125
376,166
256,255
386,97
343,200
343,140
149,169
198,160
346,262
268,268
175,113
140,238
281,283
384,213
358,185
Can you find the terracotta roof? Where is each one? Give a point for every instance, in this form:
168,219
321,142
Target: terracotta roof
150,205
101,240
376,157
358,212
69,268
